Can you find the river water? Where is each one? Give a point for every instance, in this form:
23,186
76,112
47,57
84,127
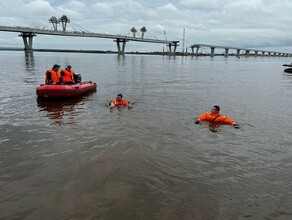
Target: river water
76,159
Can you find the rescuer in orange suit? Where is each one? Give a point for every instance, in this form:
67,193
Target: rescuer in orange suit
67,75
119,101
215,117
53,75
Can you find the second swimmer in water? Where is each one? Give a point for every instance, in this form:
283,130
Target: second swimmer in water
119,102
214,117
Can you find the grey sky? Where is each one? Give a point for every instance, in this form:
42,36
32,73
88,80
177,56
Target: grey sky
253,23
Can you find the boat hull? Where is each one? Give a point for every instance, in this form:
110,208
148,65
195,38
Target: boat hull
288,70
59,91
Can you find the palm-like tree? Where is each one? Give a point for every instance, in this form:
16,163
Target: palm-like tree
55,22
64,20
143,30
134,31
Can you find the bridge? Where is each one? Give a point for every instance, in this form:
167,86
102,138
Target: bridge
28,33
247,51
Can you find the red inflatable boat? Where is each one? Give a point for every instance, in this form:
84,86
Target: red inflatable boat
72,90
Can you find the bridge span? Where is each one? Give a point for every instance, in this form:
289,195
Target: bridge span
28,33
238,50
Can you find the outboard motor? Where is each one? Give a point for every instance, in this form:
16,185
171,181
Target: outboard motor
77,78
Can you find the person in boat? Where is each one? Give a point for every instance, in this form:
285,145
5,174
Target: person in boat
119,102
214,117
53,75
67,75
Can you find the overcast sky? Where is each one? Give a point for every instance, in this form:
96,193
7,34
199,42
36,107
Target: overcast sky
264,24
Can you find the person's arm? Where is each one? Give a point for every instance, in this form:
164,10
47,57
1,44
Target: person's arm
125,103
111,104
201,117
230,121
49,77
60,77
130,105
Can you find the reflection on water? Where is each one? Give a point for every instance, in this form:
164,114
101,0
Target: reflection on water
61,111
214,127
29,61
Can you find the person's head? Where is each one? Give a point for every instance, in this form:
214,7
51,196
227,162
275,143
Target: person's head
119,97
69,67
215,109
56,67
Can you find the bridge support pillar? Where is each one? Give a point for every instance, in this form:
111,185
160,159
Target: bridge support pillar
238,52
263,53
121,50
256,52
226,52
247,52
27,40
197,50
174,44
212,51
169,48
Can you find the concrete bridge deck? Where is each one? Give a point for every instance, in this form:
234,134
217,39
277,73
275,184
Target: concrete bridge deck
227,48
28,33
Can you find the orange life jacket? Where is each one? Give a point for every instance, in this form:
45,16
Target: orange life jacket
68,75
55,76
216,118
121,102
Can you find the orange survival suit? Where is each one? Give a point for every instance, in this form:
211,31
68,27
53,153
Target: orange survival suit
67,76
52,77
122,102
216,118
